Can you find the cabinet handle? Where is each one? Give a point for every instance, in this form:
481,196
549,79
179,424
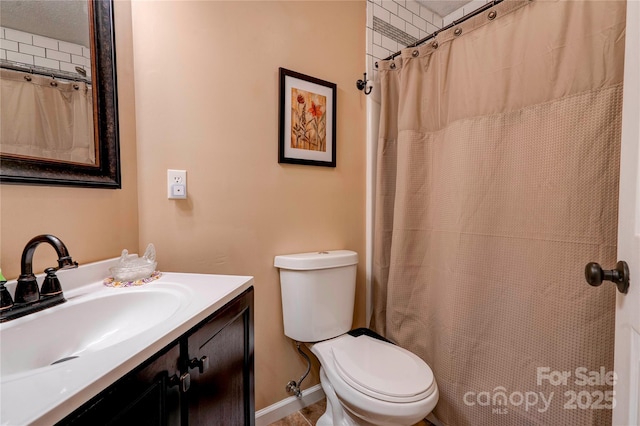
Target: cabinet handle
183,382
202,363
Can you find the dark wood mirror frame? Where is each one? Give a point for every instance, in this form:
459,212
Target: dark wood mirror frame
106,174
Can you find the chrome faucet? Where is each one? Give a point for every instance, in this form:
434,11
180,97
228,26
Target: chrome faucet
28,297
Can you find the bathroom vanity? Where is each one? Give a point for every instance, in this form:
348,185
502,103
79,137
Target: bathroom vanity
205,377
176,351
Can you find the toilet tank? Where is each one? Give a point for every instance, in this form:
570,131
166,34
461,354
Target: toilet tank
318,293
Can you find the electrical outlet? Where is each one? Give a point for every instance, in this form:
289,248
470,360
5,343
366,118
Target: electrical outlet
176,184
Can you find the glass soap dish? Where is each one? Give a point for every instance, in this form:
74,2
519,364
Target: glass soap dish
132,268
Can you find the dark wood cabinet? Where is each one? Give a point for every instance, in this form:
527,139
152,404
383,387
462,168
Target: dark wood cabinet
221,367
203,378
143,397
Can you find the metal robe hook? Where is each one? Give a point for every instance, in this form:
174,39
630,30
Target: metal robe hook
362,85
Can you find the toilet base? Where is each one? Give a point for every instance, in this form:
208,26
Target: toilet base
335,414
338,414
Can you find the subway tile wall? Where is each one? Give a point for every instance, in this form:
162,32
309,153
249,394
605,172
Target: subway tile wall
43,53
394,24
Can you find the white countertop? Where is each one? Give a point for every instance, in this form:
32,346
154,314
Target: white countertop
47,395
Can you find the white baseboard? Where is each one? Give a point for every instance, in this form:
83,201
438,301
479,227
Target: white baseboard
282,409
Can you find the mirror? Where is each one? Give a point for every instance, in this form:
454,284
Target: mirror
90,74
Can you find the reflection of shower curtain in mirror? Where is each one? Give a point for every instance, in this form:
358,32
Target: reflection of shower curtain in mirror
498,162
44,121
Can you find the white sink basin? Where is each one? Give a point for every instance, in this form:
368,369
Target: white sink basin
111,331
84,324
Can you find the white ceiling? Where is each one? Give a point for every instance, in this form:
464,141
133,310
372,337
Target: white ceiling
443,7
65,20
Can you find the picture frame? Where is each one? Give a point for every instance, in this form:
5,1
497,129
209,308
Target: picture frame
307,116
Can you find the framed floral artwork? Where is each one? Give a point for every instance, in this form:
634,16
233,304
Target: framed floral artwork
307,120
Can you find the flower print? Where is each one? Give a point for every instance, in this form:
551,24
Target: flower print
308,120
317,118
299,127
315,110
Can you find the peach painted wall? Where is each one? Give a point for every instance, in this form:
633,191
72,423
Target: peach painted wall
206,87
94,224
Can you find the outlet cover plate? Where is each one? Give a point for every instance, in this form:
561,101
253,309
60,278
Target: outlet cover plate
176,184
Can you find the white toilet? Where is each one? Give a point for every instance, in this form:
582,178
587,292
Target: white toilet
367,381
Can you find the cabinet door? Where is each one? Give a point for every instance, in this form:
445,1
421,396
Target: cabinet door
222,386
148,396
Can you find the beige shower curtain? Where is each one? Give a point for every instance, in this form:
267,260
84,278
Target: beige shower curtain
44,120
498,160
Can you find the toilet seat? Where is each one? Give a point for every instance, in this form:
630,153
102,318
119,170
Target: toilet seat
379,369
372,388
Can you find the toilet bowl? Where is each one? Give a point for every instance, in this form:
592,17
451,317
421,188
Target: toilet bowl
375,382
367,380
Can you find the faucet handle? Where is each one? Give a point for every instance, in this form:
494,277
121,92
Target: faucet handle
51,284
6,302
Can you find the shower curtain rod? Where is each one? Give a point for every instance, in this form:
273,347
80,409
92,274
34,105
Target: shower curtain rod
453,24
362,84
45,73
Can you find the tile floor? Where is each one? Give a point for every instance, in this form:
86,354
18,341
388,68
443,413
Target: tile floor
308,416
305,417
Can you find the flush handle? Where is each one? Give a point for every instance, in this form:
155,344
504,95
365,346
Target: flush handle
595,275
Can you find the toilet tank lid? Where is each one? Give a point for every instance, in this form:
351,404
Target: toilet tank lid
316,260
